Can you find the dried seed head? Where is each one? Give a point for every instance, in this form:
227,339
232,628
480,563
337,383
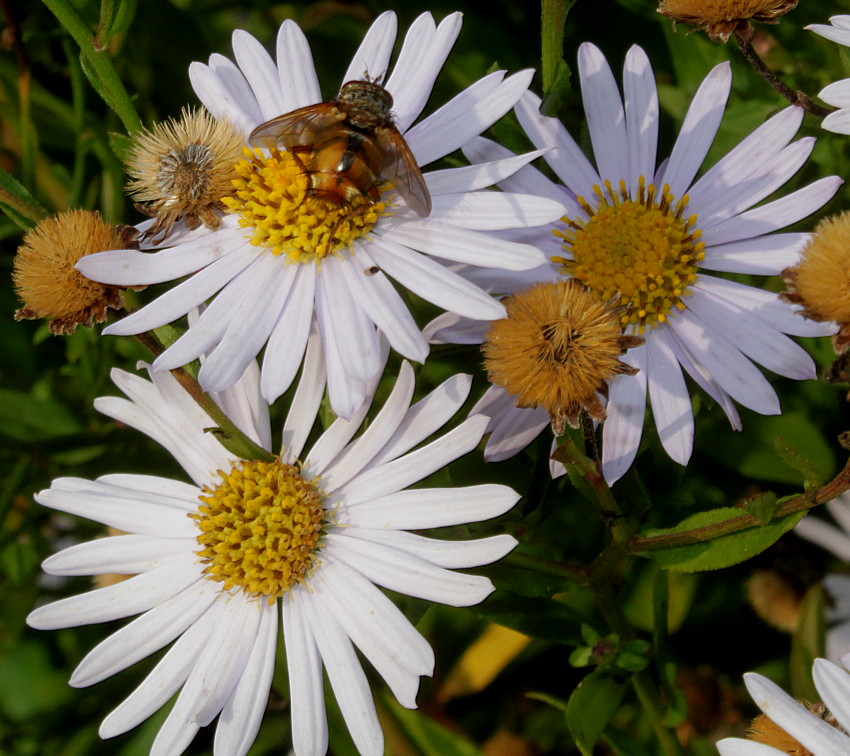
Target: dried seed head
722,18
820,282
557,348
48,283
182,169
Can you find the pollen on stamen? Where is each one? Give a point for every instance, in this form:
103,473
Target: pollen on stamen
182,168
260,528
643,251
46,280
274,197
557,348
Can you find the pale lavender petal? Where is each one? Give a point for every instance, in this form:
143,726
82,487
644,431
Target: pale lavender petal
669,398
514,429
450,328
622,430
698,129
641,106
305,404
493,211
484,173
260,71
764,255
603,109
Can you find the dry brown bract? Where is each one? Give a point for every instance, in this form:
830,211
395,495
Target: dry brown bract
722,18
46,280
182,169
557,348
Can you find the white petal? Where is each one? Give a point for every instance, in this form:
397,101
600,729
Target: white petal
466,115
124,599
164,680
245,406
364,632
306,692
433,282
603,109
626,408
407,574
358,454
806,728
422,55
513,429
288,338
838,122
426,416
833,33
296,72
122,554
833,684
698,129
484,172
216,98
305,404
174,490
422,508
382,303
669,398
825,535
260,71
739,747
492,211
463,245
393,476
450,328
237,89
250,324
130,512
347,679
453,555
183,297
836,94
145,635
242,714
127,267
373,55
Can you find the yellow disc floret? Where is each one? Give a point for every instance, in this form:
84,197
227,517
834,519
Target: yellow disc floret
260,527
275,197
641,251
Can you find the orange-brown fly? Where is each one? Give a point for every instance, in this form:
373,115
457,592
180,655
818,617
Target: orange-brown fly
349,147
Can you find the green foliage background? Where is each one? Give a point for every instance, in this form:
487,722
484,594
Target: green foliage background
58,139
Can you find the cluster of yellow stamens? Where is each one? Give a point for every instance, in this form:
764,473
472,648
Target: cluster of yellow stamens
274,196
260,527
642,251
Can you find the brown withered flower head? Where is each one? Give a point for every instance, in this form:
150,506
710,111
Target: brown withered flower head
820,282
557,348
722,18
46,280
182,168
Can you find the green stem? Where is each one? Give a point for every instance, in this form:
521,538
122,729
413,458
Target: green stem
553,15
835,487
644,689
100,68
33,213
572,572
230,437
107,11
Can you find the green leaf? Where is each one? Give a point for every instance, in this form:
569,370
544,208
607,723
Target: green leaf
120,144
556,96
536,617
762,507
677,705
623,744
813,476
591,706
429,737
26,418
553,16
18,203
29,684
556,703
808,643
723,551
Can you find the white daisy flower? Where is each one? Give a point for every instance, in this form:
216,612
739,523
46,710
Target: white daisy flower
837,541
278,262
836,94
823,733
651,235
306,537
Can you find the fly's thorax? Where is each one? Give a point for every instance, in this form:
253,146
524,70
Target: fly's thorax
366,104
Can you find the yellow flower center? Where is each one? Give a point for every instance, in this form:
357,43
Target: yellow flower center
260,527
642,251
275,196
